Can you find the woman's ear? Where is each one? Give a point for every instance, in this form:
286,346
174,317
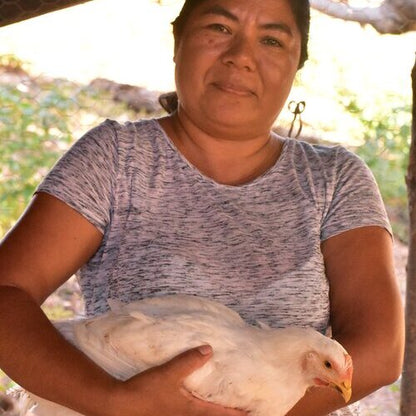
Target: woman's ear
175,49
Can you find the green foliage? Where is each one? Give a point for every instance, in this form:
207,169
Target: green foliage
5,383
57,312
39,119
385,128
395,387
12,62
33,134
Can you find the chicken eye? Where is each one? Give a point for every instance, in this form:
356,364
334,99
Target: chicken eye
327,364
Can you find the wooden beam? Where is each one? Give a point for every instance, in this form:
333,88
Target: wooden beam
408,388
13,11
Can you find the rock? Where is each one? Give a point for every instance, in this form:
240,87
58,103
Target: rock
137,98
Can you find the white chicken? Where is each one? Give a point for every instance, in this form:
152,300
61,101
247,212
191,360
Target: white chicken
262,370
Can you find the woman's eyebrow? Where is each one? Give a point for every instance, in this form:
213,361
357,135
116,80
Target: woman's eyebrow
221,11
280,26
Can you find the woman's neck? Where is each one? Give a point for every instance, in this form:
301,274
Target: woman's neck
228,161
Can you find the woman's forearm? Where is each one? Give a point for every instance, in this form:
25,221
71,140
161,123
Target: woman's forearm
36,356
366,314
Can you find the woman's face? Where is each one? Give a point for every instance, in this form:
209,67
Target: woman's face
235,64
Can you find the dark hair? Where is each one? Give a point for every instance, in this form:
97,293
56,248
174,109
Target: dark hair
300,9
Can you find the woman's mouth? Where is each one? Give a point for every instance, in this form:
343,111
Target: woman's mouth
236,89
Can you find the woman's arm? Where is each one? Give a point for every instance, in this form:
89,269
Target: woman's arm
366,314
49,243
44,249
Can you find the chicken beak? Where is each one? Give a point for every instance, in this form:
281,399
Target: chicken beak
345,389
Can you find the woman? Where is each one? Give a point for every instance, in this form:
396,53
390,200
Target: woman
206,201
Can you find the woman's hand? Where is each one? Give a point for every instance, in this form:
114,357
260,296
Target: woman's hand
160,390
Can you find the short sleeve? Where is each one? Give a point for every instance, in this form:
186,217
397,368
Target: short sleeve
354,199
84,178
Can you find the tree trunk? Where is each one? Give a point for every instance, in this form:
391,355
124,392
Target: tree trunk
12,11
408,389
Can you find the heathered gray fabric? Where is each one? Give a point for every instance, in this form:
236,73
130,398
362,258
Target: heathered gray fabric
169,229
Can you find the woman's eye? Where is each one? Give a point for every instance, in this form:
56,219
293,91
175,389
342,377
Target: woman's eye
272,42
219,28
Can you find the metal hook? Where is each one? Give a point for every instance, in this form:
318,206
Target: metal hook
296,108
169,101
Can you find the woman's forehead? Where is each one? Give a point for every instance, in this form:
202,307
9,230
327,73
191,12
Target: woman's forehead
270,14
255,6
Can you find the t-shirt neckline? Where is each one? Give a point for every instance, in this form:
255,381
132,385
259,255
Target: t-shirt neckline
202,177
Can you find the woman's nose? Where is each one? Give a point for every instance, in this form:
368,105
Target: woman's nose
240,53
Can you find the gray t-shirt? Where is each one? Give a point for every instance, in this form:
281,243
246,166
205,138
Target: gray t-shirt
169,229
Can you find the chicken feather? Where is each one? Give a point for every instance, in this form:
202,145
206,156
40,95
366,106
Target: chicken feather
262,370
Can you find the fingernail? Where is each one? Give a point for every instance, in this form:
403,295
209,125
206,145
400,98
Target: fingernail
205,349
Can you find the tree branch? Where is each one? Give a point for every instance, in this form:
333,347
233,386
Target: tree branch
391,16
